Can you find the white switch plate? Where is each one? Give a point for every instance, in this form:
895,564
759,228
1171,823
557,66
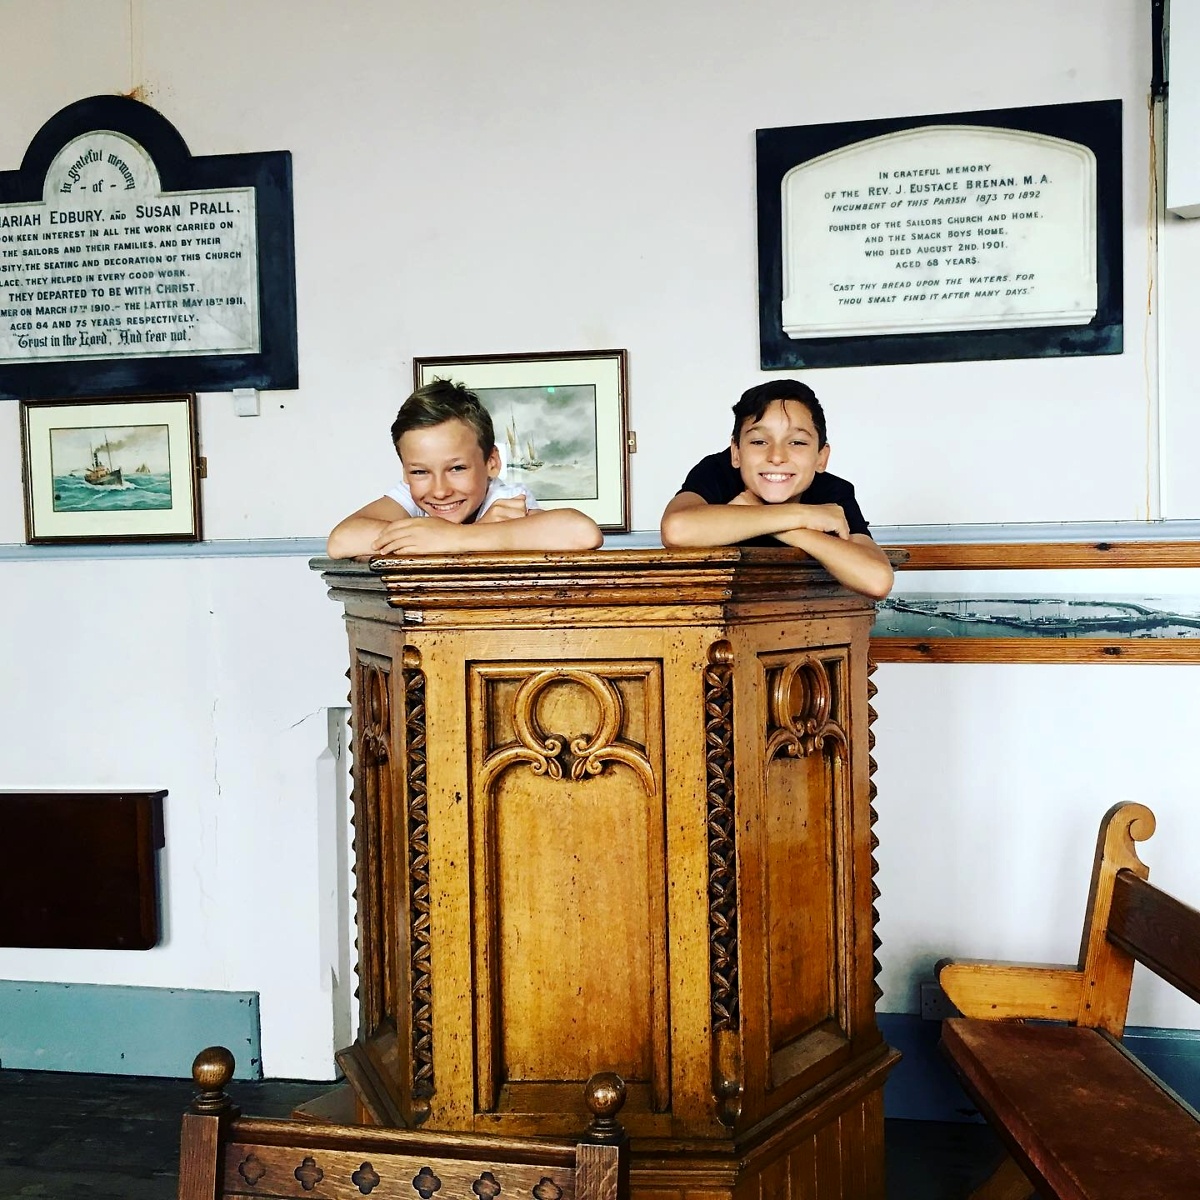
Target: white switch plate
245,402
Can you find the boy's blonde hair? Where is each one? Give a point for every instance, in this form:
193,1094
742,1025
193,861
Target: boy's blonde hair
440,401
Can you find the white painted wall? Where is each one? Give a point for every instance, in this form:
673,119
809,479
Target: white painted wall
549,175
212,679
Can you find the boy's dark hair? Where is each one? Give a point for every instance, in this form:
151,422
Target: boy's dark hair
756,400
444,400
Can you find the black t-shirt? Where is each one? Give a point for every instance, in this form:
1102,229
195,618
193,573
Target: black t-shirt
717,481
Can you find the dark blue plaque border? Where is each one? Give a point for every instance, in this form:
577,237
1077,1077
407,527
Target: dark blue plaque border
269,173
1095,124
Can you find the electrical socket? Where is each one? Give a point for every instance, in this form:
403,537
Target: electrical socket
935,1004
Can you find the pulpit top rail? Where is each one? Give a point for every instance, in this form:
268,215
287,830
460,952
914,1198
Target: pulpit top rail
610,578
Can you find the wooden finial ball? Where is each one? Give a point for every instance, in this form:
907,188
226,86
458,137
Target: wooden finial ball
212,1068
605,1094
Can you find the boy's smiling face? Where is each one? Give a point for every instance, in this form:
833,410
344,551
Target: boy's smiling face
778,454
446,470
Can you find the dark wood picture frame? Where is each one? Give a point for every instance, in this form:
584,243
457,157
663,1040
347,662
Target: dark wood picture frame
269,173
604,370
1094,124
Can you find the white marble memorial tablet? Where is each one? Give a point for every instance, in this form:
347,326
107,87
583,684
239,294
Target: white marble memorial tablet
109,266
940,228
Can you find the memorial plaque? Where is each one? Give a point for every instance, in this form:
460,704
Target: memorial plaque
967,236
133,264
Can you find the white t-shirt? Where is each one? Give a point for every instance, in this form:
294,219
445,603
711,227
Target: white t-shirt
497,490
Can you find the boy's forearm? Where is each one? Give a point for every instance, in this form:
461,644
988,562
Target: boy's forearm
856,562
354,537
726,524
542,529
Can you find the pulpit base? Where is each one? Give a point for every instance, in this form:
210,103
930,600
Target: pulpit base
828,1148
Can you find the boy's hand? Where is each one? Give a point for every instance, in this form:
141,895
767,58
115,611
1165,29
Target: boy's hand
507,509
746,497
826,518
420,535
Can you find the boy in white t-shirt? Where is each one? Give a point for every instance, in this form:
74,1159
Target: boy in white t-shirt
451,498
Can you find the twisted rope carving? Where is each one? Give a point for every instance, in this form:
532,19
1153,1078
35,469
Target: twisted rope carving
872,691
417,803
722,874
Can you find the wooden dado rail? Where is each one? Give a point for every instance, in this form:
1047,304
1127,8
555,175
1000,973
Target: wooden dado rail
1013,556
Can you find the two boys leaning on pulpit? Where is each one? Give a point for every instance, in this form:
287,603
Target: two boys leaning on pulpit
770,487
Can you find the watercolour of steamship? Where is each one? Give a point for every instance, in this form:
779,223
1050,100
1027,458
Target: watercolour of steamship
98,475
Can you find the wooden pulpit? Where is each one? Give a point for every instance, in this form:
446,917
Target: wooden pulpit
613,813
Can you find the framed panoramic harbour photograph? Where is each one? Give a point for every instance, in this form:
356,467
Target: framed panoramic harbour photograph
560,421
119,470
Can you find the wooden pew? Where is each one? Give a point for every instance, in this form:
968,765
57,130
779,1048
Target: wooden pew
225,1155
1081,1118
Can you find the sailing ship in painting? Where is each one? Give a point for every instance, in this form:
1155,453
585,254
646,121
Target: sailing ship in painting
516,461
98,475
546,436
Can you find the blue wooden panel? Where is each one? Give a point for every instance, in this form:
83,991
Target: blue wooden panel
108,1029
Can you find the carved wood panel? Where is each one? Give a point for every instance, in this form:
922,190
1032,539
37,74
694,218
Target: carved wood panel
372,802
805,797
568,884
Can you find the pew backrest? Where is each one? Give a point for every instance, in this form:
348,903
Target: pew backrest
225,1155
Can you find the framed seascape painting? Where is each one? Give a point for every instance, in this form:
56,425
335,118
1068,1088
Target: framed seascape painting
560,422
122,470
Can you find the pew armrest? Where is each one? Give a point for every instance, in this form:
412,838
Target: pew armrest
992,991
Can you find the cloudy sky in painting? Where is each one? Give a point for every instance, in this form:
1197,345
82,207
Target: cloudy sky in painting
128,445
559,421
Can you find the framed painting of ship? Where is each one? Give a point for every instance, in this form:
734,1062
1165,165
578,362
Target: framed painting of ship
560,422
119,470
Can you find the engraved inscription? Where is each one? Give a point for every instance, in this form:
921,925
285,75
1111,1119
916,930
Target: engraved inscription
943,227
108,265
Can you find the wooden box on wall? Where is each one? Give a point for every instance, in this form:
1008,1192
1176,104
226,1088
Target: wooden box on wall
613,812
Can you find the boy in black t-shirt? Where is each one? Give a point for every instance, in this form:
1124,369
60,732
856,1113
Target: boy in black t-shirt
771,486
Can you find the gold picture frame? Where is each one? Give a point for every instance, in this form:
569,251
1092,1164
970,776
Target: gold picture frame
124,469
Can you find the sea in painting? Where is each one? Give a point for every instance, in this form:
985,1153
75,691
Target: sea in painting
547,438
934,616
111,468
